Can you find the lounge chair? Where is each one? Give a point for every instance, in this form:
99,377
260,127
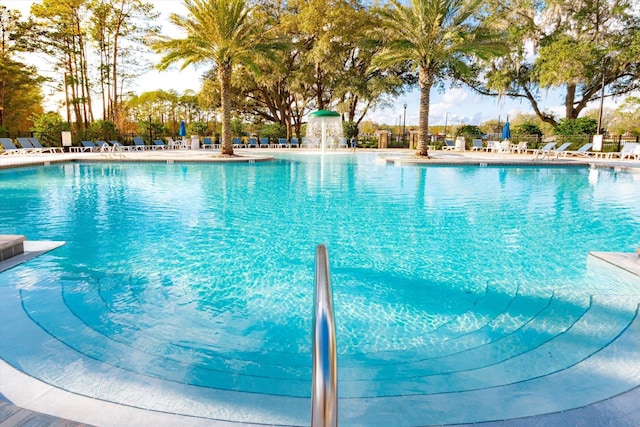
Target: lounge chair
294,142
520,147
476,145
282,142
264,142
207,143
342,143
138,143
172,144
562,148
252,143
114,146
499,147
102,146
238,143
158,143
448,145
26,146
582,151
630,150
36,144
544,151
85,146
10,147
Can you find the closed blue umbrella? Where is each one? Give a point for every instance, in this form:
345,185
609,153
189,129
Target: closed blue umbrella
506,131
183,129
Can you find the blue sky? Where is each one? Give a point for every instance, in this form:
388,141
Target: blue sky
456,105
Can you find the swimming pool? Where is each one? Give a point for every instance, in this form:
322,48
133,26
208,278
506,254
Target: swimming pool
449,282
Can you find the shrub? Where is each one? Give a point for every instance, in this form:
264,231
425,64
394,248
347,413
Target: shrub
102,130
350,130
527,129
197,128
273,131
469,131
47,127
579,126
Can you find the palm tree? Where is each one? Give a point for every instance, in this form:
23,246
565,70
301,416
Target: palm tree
221,32
439,38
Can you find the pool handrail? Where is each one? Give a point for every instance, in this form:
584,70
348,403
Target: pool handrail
324,388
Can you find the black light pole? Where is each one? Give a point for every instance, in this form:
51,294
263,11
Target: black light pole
446,116
404,123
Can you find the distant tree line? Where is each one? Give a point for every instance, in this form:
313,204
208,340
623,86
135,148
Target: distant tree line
274,62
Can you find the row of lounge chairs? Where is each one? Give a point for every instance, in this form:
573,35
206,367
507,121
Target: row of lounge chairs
630,150
27,146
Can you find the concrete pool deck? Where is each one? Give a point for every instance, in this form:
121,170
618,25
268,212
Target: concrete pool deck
394,156
27,401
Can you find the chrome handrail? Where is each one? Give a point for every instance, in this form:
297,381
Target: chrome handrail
324,389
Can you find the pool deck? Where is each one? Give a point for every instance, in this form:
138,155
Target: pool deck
27,401
392,156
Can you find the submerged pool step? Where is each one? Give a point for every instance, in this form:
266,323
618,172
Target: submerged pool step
219,372
489,347
162,338
520,310
486,367
612,370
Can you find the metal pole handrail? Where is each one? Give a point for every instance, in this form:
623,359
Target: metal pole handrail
324,391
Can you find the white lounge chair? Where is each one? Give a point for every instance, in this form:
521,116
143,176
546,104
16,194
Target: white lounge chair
582,151
630,150
476,145
545,151
520,147
448,145
560,149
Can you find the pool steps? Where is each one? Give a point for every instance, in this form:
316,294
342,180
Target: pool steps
533,360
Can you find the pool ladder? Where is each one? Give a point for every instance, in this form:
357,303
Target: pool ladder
324,388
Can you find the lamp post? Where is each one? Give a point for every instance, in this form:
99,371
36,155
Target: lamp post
404,123
446,116
601,100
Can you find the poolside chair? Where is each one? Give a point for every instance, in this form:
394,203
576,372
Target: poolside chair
294,142
9,147
85,146
158,144
448,145
207,143
238,143
27,148
544,151
172,144
252,143
282,143
36,144
264,142
476,145
102,146
342,143
562,148
582,151
520,148
630,150
138,143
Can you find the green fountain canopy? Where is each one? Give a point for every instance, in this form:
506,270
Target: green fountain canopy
324,113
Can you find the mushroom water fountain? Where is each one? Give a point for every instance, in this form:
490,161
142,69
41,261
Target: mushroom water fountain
324,125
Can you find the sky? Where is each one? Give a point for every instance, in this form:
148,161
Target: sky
453,106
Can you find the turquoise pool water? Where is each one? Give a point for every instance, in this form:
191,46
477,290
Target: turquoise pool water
202,274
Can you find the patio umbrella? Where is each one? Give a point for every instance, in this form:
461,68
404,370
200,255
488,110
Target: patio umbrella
183,129
506,131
